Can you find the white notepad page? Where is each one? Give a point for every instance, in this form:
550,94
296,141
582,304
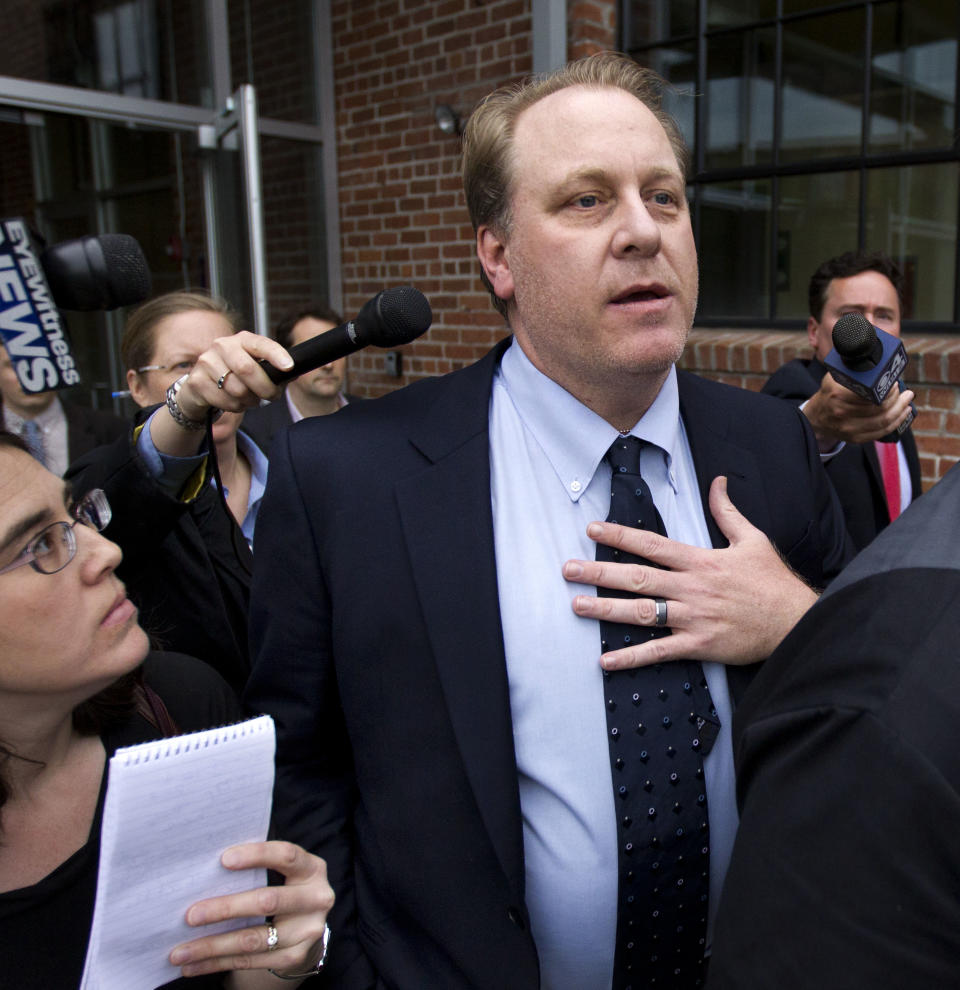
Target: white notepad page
172,807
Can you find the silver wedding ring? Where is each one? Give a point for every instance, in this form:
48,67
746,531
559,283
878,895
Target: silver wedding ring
661,604
223,378
272,938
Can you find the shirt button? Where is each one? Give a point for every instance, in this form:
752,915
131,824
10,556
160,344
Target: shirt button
575,486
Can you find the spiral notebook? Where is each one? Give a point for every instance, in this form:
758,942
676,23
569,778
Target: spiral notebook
172,807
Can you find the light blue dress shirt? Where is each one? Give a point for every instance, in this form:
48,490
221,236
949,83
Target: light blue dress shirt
548,482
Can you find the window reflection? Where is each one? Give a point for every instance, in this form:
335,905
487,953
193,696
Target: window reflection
912,214
816,219
728,13
913,76
678,65
126,48
823,78
740,93
734,249
658,20
856,83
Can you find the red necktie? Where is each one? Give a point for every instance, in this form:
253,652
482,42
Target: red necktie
890,469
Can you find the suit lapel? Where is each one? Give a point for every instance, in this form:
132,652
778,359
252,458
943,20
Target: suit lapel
447,524
714,452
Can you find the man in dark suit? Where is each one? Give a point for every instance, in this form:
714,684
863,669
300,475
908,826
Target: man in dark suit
874,481
314,393
61,431
441,715
846,868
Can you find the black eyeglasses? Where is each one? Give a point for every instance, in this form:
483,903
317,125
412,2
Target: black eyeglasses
56,545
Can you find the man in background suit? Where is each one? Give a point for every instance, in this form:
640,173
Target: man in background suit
846,868
871,493
441,713
314,393
61,430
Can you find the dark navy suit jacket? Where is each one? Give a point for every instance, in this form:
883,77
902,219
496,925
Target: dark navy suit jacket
378,649
262,423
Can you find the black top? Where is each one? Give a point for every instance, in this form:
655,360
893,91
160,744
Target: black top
845,872
186,565
44,928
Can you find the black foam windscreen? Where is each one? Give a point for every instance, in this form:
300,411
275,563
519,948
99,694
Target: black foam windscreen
856,342
97,272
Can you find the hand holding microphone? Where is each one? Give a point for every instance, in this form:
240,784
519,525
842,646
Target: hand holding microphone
392,317
230,376
860,399
869,362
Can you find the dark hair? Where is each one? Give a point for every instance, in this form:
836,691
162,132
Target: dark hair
283,331
137,341
846,266
488,136
109,707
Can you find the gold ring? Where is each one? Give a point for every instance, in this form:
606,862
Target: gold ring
223,378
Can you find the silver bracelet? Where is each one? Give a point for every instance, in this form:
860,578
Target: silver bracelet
310,972
179,417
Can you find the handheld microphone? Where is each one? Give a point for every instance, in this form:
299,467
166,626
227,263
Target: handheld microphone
392,317
867,360
92,273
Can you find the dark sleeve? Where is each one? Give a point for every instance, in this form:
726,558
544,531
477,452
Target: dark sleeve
793,381
185,564
143,513
846,870
196,696
834,547
294,681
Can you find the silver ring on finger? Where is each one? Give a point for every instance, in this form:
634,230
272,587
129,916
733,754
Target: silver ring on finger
223,378
661,619
272,938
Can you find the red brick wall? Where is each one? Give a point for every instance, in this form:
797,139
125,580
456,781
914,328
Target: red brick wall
402,216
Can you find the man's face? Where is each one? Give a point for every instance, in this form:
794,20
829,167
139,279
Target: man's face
27,404
599,266
869,293
321,383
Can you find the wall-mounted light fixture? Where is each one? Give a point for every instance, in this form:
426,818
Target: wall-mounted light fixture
446,118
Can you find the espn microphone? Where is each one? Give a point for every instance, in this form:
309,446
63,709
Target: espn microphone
868,361
392,317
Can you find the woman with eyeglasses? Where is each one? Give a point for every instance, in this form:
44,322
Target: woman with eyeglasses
186,554
72,672
162,341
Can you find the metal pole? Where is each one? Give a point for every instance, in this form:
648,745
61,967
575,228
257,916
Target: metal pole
245,99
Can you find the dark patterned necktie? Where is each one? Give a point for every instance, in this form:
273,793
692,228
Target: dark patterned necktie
660,724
